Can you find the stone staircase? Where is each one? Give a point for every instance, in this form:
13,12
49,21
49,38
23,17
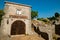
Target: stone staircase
26,37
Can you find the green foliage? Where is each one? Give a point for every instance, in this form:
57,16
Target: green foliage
42,19
57,14
54,17
1,14
34,14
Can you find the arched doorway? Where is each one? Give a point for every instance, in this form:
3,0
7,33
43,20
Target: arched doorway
18,27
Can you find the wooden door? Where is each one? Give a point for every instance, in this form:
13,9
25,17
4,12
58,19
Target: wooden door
18,27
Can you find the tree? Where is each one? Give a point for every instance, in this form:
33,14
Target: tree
40,19
52,18
34,14
1,14
57,14
43,19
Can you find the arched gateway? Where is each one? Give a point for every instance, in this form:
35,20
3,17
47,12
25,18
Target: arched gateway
16,21
18,27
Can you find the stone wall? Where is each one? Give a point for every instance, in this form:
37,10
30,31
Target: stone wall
45,28
49,30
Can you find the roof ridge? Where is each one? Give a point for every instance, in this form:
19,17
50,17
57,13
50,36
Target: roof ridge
17,3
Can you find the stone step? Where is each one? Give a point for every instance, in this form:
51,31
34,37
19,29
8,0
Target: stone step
4,37
26,37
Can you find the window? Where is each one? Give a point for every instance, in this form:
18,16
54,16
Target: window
7,22
19,11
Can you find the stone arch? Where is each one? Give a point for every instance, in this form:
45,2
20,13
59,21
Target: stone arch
18,27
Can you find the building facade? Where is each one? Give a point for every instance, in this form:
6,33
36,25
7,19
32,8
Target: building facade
17,19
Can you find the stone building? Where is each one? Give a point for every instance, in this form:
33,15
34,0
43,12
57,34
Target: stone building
16,15
17,19
16,23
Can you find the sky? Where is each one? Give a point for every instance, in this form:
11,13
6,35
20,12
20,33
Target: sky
45,8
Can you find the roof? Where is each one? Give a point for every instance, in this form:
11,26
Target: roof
17,3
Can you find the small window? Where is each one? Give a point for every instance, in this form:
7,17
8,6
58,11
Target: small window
7,22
